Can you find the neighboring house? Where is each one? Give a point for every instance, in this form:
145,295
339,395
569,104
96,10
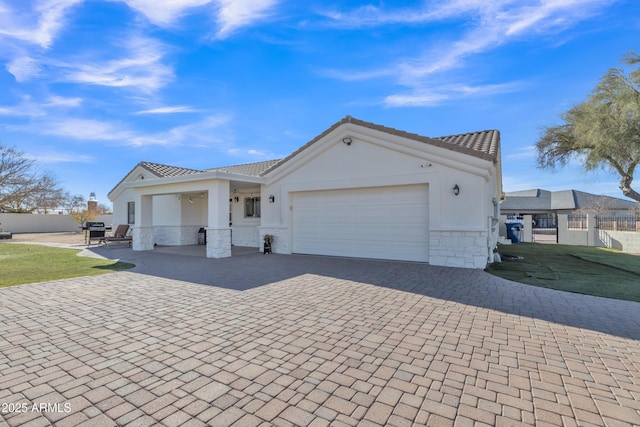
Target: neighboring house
357,190
544,206
551,216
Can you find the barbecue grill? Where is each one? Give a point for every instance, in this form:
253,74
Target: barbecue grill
94,231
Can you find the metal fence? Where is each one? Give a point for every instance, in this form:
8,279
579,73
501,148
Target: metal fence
618,223
577,222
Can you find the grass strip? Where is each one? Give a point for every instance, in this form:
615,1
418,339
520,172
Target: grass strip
581,269
23,263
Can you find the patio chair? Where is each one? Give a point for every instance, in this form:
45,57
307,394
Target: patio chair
120,235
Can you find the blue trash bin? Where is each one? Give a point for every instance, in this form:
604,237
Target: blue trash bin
514,232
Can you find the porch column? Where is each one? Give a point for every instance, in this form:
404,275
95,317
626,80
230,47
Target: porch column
143,228
218,230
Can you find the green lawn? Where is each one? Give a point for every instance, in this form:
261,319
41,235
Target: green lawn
586,270
21,264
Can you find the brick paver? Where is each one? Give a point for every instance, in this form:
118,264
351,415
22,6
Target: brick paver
324,342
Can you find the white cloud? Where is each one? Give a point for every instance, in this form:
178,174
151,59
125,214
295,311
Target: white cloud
203,131
24,68
165,12
210,130
491,24
168,110
61,101
53,156
230,15
251,153
36,22
424,97
29,108
522,153
234,14
140,68
85,130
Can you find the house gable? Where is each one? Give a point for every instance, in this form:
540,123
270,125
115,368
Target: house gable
392,146
483,145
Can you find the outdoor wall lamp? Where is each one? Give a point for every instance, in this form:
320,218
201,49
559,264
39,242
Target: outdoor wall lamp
347,140
272,198
456,189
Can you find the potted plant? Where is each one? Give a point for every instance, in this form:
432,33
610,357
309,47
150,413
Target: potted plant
268,238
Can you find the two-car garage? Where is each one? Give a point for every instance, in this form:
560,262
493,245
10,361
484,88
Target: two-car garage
378,222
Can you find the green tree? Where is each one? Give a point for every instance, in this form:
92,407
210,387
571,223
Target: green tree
601,132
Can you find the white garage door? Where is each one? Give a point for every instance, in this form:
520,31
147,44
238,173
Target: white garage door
381,222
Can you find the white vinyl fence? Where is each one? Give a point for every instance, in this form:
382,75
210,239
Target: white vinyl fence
34,223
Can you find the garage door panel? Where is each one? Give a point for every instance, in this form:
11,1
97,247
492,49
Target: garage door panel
383,222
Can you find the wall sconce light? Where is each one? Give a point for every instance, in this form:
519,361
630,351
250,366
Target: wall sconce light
236,199
347,140
272,198
456,189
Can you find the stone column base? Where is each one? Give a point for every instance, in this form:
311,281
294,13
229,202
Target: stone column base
218,242
142,238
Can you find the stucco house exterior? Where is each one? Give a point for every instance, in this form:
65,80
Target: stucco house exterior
359,189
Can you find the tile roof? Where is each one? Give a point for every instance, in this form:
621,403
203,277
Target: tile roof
544,200
486,141
163,171
483,144
249,169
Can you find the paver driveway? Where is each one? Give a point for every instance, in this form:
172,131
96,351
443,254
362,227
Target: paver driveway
333,342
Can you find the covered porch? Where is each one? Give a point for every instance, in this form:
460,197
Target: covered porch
171,214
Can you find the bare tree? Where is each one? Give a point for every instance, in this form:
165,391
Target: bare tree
104,209
76,205
22,187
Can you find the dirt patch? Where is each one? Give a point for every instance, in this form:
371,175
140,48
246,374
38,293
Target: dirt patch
70,238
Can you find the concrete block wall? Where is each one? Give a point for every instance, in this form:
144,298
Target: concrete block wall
34,223
626,241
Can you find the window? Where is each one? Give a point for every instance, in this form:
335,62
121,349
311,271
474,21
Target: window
252,207
131,213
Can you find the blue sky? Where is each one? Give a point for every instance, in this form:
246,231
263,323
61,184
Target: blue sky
90,88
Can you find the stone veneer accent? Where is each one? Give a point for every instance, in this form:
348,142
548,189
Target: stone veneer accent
280,244
246,236
218,242
176,235
143,238
458,248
